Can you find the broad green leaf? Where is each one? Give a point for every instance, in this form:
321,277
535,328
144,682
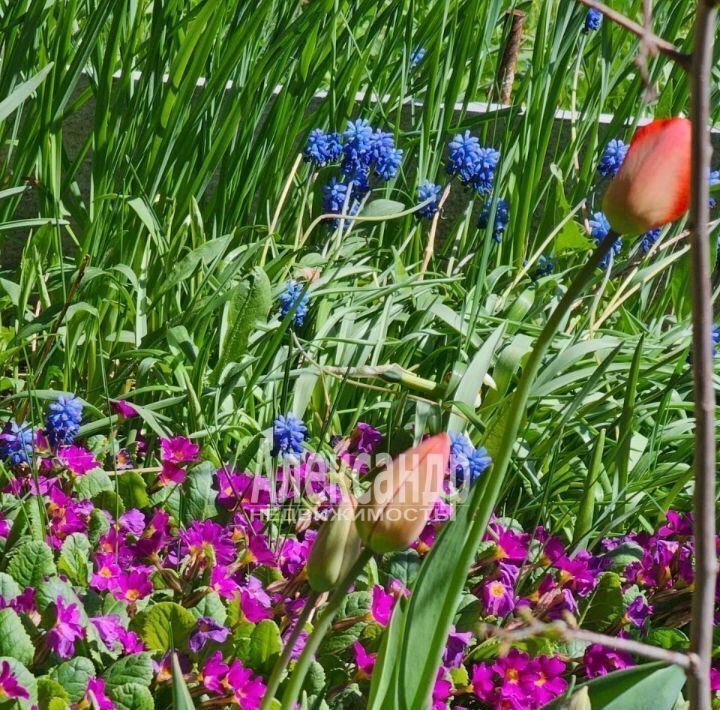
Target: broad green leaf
136,668
131,696
210,605
9,588
93,483
30,563
315,679
48,690
250,302
607,605
166,626
133,490
382,208
265,646
647,687
73,675
14,640
199,499
75,559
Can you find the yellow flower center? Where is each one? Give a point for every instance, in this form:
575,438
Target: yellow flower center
497,589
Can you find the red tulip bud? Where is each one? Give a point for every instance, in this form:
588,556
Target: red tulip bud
397,506
652,187
335,549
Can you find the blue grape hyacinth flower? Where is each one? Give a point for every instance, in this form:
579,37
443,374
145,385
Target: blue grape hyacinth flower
62,422
648,239
593,21
544,267
418,54
484,175
16,443
322,148
428,191
502,216
289,434
463,156
334,196
599,229
467,462
612,158
293,294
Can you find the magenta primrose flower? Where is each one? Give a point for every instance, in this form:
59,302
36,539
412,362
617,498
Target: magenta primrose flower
223,583
638,611
110,629
132,522
209,543
178,450
10,688
255,602
510,546
175,454
442,690
77,459
67,516
455,647
107,571
518,682
155,536
67,629
579,573
381,605
207,629
214,672
549,683
124,409
364,661
132,586
498,593
248,690
96,690
599,660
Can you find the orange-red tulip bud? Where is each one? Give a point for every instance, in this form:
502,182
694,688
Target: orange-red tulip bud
335,549
652,187
397,506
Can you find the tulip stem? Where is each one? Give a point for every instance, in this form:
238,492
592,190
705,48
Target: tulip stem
701,628
325,618
282,662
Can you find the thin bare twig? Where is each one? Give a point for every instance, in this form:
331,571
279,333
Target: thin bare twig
701,628
568,633
655,44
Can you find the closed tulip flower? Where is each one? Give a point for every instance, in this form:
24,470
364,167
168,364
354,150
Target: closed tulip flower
398,504
335,549
652,187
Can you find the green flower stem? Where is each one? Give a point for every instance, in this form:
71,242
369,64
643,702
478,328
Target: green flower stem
517,408
484,497
282,662
292,692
